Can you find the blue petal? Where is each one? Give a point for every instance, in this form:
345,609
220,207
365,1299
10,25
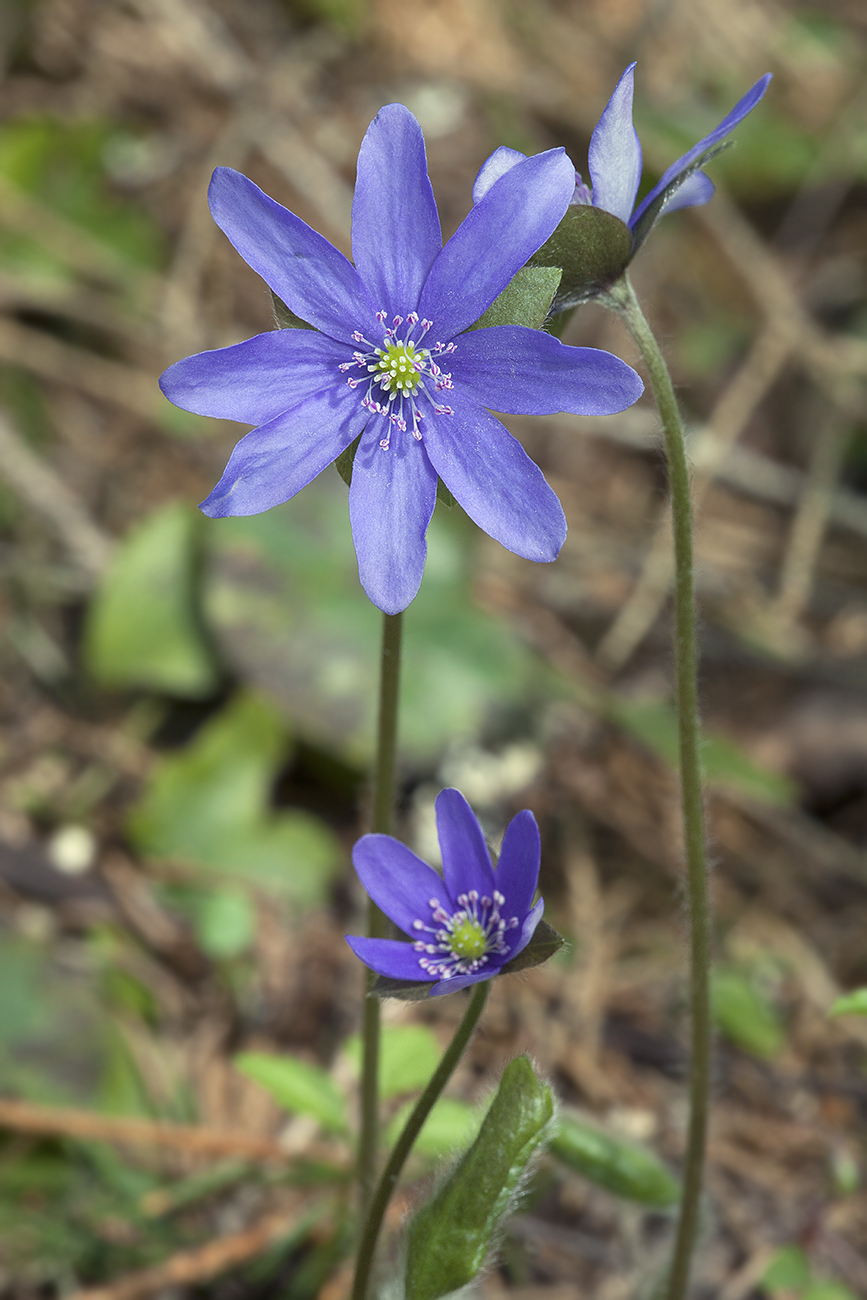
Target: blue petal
528,929
395,225
391,500
466,858
696,190
278,459
389,957
495,240
726,126
615,153
502,160
523,371
255,380
309,274
496,482
517,871
399,883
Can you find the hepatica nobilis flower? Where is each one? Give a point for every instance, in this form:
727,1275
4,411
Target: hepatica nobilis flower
462,926
390,356
614,164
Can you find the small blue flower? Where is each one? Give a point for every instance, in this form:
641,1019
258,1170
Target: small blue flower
388,358
465,925
614,162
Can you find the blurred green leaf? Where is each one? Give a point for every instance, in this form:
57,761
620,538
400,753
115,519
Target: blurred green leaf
828,1290
621,1167
408,1056
224,922
142,626
208,806
297,1086
850,1004
654,723
61,162
449,1237
744,1014
283,598
789,1270
451,1124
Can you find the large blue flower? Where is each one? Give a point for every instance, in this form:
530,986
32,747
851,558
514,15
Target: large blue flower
465,925
614,162
389,357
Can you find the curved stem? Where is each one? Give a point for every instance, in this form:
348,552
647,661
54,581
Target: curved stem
621,298
377,924
409,1133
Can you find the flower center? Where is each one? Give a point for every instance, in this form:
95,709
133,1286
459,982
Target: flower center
465,940
398,373
400,367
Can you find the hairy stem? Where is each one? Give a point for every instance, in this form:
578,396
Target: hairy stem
377,924
409,1133
621,298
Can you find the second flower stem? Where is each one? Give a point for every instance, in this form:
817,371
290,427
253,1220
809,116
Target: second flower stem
377,924
622,299
409,1133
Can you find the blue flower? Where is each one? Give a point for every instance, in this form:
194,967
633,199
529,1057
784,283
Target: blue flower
388,358
465,925
614,162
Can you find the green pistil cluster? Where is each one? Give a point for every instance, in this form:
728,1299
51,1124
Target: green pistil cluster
398,369
468,940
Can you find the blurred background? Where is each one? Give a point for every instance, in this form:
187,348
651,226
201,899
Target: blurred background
186,706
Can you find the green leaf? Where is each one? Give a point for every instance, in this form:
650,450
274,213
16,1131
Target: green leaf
744,1013
850,1004
789,1270
284,601
224,922
285,318
526,299
592,248
408,1056
297,1086
449,1238
544,943
143,629
451,1124
621,1167
828,1290
208,806
654,723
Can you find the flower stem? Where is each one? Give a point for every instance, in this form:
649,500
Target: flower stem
409,1133
621,298
377,924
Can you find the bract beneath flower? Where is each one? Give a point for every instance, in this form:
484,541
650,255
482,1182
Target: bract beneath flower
614,164
391,357
463,926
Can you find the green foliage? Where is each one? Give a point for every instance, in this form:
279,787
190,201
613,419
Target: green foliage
451,1125
789,1274
207,806
224,921
654,723
297,1086
621,1167
283,598
61,164
851,1004
745,1014
408,1056
450,1237
143,629
526,299
591,247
